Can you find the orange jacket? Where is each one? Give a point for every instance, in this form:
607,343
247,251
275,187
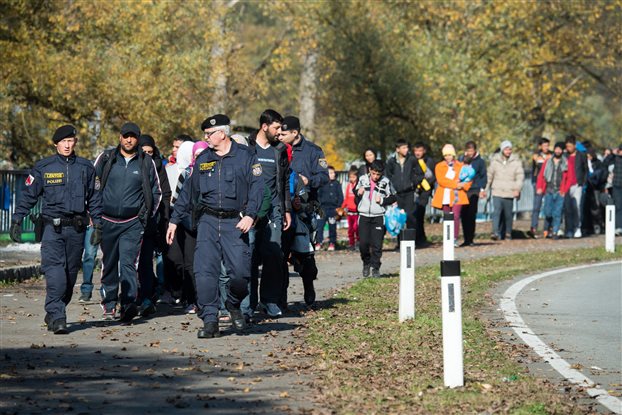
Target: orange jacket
440,172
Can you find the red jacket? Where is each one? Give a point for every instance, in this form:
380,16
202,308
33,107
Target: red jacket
541,183
348,200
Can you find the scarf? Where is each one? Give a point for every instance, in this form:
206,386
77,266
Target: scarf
549,169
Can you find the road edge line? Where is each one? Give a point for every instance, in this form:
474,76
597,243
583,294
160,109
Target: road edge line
507,304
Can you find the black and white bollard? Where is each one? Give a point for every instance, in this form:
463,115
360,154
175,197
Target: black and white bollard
451,296
610,228
407,275
448,236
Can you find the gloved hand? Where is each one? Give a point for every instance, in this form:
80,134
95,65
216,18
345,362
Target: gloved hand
96,236
16,232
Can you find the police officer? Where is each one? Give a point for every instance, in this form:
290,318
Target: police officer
224,194
67,186
128,181
309,163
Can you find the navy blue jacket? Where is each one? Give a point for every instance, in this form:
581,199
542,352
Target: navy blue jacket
124,186
230,182
67,185
308,160
331,197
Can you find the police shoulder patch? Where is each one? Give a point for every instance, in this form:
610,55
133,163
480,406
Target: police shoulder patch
98,183
30,180
323,163
256,169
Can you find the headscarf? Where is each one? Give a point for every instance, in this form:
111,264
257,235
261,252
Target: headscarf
199,145
184,158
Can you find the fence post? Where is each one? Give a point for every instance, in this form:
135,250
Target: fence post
451,297
448,236
407,275
610,231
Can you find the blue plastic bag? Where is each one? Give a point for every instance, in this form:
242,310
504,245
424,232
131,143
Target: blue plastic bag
394,220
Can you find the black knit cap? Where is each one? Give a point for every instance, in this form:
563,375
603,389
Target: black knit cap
146,140
217,120
290,123
130,128
560,144
64,132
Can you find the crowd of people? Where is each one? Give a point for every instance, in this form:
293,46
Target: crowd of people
224,217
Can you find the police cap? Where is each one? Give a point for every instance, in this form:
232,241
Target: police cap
217,120
290,123
130,128
64,132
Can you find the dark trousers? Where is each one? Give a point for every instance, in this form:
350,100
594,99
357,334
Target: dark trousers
304,264
174,267
468,216
371,231
270,255
537,206
420,236
121,249
332,230
146,276
61,254
593,212
218,241
502,216
616,193
187,242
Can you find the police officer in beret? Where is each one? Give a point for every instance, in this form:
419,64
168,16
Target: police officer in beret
223,195
66,184
309,163
128,181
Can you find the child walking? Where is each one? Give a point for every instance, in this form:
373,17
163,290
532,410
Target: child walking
349,204
331,197
373,193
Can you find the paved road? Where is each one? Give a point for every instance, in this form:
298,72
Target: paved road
579,314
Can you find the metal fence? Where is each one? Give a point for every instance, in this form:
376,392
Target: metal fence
13,183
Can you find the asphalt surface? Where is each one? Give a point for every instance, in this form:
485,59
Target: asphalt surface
157,365
579,314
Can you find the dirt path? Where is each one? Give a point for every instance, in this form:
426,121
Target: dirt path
157,365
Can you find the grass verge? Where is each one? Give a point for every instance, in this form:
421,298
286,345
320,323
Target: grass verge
370,363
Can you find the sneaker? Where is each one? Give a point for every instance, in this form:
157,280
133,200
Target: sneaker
494,237
128,312
618,231
560,233
110,313
331,247
272,310
166,298
146,309
456,244
318,247
577,233
352,248
191,309
366,269
545,234
84,298
375,273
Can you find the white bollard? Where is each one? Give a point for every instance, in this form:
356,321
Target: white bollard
451,296
448,236
610,228
407,275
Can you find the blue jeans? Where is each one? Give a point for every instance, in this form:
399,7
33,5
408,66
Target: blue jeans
332,230
553,209
88,262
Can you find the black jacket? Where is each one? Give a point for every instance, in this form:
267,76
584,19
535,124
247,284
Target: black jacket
282,173
580,167
330,197
128,189
403,176
424,195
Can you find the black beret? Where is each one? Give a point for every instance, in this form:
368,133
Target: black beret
290,123
146,140
130,128
215,121
63,132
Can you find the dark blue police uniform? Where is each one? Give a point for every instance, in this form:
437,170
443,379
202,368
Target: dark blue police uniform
67,188
220,191
307,160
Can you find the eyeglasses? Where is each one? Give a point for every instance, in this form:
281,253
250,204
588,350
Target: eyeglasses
208,135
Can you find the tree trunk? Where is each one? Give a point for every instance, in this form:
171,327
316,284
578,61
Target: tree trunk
308,92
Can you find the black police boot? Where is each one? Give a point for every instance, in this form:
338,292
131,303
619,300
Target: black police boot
128,312
209,331
59,326
48,321
309,291
237,318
